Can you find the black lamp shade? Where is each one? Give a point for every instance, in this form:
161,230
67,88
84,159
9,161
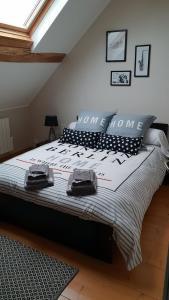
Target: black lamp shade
51,121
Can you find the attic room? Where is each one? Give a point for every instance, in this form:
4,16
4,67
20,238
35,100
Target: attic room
84,150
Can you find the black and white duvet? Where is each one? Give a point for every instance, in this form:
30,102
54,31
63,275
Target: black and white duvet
126,185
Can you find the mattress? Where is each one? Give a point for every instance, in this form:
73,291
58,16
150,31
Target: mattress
123,208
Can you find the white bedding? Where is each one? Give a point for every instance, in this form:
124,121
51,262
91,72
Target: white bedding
122,209
111,168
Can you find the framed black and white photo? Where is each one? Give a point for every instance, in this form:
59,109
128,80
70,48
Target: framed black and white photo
116,45
142,61
120,78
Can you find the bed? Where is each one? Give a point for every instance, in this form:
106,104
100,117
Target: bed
92,223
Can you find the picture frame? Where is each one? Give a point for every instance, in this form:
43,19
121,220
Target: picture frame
120,78
142,61
116,45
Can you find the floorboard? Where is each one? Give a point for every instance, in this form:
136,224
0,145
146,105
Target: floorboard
97,280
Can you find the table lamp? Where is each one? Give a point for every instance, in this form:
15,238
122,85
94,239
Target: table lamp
52,122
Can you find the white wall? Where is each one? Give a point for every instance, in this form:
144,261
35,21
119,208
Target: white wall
21,82
83,80
20,123
69,26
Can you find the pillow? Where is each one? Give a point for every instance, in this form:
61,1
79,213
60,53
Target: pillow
130,125
158,138
119,143
72,125
81,138
93,121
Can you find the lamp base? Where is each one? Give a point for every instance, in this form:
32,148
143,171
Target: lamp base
52,134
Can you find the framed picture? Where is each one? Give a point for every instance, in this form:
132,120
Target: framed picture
116,45
120,78
142,61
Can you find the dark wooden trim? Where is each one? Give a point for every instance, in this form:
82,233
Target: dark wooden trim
33,57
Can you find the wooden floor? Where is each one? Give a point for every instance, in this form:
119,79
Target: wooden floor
99,281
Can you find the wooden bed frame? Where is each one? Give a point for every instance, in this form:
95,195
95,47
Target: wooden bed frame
92,238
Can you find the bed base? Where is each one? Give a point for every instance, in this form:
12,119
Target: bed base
92,238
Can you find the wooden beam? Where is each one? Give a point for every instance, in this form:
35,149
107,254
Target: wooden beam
10,38
33,57
14,50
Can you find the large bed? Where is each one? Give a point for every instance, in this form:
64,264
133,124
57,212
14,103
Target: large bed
89,223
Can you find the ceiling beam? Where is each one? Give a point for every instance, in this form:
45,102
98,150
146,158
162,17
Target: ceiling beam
33,57
18,39
15,46
14,50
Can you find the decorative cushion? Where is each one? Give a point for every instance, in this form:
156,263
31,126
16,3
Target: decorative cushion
119,143
130,125
82,138
93,121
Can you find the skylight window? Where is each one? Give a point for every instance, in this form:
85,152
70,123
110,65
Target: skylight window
20,13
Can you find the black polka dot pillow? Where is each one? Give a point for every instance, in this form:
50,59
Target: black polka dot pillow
119,143
81,138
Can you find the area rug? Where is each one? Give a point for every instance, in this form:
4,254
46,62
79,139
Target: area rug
28,274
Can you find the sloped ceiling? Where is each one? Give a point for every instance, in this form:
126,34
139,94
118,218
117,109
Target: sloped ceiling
20,82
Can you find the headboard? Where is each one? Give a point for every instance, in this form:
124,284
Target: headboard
161,126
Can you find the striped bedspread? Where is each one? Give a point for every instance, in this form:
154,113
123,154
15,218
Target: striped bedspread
122,209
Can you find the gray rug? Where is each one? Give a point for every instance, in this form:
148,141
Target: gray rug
27,274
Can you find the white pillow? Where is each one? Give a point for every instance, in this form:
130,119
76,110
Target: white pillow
158,138
72,125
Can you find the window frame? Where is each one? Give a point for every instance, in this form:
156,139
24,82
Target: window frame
16,43
34,23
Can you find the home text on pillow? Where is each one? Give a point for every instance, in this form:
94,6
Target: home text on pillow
92,120
127,123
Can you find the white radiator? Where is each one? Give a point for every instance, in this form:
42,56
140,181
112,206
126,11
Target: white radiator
6,141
